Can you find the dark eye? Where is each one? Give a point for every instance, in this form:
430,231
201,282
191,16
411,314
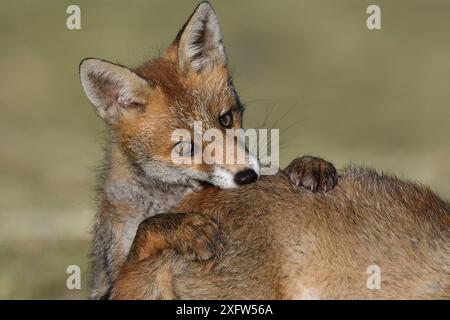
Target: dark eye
226,120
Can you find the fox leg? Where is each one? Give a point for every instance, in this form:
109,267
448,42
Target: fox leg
148,279
312,173
147,274
193,235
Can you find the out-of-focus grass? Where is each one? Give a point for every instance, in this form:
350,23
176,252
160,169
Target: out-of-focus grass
379,98
33,269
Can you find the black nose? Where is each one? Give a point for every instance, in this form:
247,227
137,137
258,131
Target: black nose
245,176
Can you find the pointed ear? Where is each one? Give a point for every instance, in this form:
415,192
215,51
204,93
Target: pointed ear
199,41
112,89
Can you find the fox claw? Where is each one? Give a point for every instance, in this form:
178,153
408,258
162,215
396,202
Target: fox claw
312,173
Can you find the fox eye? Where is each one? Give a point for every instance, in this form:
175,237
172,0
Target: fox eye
184,149
226,120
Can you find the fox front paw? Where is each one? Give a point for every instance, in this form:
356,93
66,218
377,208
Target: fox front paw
193,235
313,173
199,237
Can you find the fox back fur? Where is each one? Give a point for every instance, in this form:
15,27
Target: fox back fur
288,243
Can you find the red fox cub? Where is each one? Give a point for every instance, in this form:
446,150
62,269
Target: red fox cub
372,236
189,82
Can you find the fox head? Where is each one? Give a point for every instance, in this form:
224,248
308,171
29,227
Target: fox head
188,83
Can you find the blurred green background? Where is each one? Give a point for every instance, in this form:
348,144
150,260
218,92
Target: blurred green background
334,88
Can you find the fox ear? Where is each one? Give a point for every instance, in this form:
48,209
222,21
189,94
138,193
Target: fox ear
112,89
199,41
